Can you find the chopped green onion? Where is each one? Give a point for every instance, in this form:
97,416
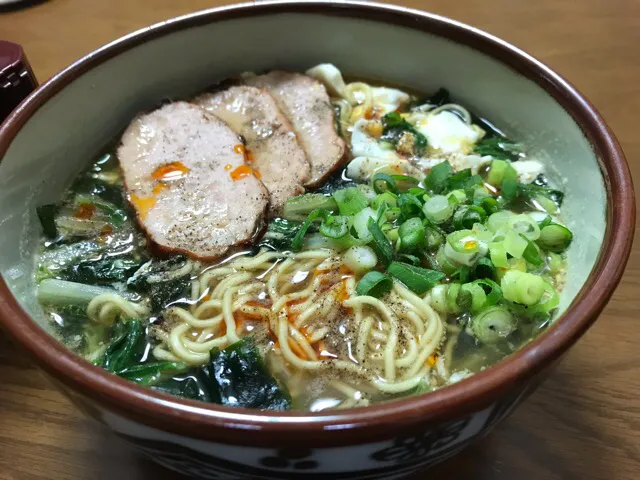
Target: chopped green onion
392,234
489,204
385,198
482,232
453,293
555,238
446,265
438,209
509,189
296,244
299,207
463,274
467,215
531,254
498,254
418,280
499,171
484,268
436,180
374,284
382,182
418,192
522,287
412,259
380,242
361,222
412,234
492,289
457,197
405,183
554,262
350,200
463,180
433,236
392,214
514,244
366,191
463,241
546,221
493,324
360,259
545,204
480,192
551,302
335,226
478,297
439,298
524,225
499,220
409,205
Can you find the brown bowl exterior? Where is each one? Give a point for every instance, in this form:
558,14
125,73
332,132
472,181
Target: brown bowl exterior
387,440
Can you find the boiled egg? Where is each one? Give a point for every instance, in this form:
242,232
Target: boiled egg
446,132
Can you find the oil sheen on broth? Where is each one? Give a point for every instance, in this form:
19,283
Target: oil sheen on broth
403,244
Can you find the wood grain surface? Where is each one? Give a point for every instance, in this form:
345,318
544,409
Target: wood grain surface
583,423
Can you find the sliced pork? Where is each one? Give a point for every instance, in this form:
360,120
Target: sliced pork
185,175
272,147
305,102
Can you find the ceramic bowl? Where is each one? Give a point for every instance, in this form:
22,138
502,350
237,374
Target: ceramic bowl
64,123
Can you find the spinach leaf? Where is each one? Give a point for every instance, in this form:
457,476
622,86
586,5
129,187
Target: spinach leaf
47,216
125,346
436,180
150,373
441,97
237,376
164,281
106,270
499,148
280,234
463,180
528,192
125,352
395,127
186,386
107,192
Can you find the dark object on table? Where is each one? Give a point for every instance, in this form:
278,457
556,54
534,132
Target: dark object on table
16,77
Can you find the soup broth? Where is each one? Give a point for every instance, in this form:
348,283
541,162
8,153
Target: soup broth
432,250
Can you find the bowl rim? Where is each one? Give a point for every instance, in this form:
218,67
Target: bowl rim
380,421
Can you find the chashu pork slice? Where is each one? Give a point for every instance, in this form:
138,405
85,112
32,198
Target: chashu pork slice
305,102
185,175
272,147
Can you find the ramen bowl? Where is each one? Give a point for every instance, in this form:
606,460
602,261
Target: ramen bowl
48,139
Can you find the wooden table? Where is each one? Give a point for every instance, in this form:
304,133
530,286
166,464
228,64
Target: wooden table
583,423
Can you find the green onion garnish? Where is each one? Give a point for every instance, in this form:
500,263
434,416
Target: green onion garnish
418,280
350,200
412,234
438,209
374,284
296,244
335,226
493,324
436,180
555,238
380,242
